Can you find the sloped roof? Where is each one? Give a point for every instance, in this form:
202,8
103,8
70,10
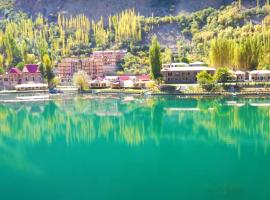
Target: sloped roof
31,68
144,77
14,70
183,69
260,72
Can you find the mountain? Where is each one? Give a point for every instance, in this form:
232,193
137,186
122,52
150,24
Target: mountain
95,9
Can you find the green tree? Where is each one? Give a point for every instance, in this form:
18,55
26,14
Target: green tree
1,62
49,75
30,59
20,65
223,75
155,58
167,56
206,81
221,52
1,70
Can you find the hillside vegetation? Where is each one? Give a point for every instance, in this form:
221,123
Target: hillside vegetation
235,36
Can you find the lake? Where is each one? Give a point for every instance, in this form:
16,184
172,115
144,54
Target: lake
128,147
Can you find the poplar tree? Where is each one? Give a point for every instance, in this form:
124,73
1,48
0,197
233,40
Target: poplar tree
155,58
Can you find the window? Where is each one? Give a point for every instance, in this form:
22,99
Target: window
170,74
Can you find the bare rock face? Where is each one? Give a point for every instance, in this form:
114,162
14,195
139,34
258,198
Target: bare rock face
97,8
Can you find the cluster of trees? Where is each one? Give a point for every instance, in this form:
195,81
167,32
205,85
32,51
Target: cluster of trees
208,82
126,26
245,53
25,40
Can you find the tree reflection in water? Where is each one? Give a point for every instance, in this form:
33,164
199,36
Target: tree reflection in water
135,122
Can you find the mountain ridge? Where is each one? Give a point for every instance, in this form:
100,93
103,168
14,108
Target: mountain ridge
96,9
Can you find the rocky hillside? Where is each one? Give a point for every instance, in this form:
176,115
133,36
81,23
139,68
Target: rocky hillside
95,9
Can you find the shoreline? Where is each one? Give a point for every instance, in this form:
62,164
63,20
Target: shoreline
148,93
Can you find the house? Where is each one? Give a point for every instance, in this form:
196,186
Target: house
116,85
97,83
31,73
142,81
259,75
11,78
240,76
31,87
187,74
14,76
111,78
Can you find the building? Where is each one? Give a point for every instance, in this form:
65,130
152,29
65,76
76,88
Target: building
14,76
31,87
67,68
11,78
109,60
184,74
181,64
259,75
93,67
197,64
96,84
240,76
98,64
31,73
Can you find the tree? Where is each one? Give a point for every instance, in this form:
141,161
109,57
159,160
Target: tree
206,81
56,81
1,70
1,62
49,75
223,75
221,52
80,79
239,3
155,58
30,59
167,56
20,65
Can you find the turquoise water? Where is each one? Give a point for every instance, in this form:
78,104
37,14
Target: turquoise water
135,148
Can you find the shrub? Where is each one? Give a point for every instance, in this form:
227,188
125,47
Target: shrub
80,79
206,81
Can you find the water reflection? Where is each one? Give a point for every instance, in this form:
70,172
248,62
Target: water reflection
138,120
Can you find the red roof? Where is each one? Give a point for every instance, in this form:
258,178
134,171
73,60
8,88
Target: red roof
31,68
14,70
144,77
124,78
